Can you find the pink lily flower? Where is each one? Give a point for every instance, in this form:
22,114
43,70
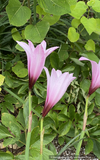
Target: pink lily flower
57,85
95,83
36,59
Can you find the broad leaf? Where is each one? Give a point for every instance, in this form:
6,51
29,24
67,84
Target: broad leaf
16,35
36,33
89,24
91,56
90,45
78,10
6,156
73,36
19,70
64,128
18,14
54,60
55,7
4,132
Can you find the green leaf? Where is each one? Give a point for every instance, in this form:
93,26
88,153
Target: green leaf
71,112
91,2
40,11
51,19
34,135
22,157
96,133
61,140
72,2
96,148
26,111
77,62
73,36
89,24
1,79
97,30
23,88
54,60
64,128
16,35
91,56
89,146
55,7
22,140
19,70
10,141
85,84
9,98
6,156
10,121
20,118
75,23
90,45
95,5
4,132
9,106
63,54
97,99
90,108
37,32
52,148
48,122
48,138
35,152
68,68
78,10
62,117
18,14
35,121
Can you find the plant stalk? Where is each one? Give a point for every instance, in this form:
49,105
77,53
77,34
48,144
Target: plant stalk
41,139
29,129
83,130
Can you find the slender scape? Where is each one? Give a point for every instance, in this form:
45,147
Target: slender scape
83,130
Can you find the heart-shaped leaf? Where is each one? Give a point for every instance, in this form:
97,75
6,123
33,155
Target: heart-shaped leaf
75,23
97,26
16,35
90,45
95,5
72,34
18,14
19,70
78,10
36,33
89,24
56,7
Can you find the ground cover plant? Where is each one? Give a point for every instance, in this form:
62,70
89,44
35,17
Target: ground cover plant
40,41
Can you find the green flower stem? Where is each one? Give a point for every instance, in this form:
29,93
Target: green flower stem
83,130
29,129
29,102
34,7
41,139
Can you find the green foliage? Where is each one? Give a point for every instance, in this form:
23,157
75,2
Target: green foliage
72,34
37,32
17,13
55,7
19,70
75,27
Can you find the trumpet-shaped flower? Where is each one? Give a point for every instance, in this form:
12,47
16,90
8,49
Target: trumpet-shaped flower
36,59
57,85
95,83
